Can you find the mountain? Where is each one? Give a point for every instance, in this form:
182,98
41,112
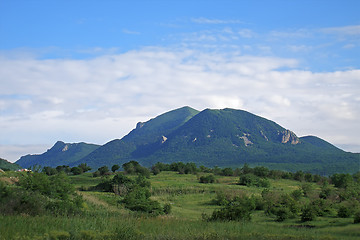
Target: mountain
224,138
140,142
60,154
6,165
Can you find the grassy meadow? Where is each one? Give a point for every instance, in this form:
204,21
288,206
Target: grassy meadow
105,218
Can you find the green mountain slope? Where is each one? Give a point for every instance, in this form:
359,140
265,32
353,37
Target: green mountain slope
231,137
226,137
140,142
6,165
60,154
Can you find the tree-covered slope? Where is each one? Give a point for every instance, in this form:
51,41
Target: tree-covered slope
141,141
225,138
6,165
60,154
231,137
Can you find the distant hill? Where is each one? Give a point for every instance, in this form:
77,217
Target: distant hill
224,138
6,165
60,154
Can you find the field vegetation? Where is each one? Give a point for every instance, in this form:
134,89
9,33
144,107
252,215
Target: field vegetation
178,201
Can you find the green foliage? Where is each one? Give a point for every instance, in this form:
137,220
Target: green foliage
6,165
297,194
76,170
253,180
115,167
308,213
341,180
49,171
84,167
357,217
238,209
167,208
39,194
103,170
344,212
138,199
207,179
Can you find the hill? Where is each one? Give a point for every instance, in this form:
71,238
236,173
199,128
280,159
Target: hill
60,154
6,165
225,138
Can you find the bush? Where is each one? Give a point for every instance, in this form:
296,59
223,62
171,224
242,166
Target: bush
308,213
39,194
239,209
167,208
297,194
357,217
252,180
344,212
207,179
139,200
282,213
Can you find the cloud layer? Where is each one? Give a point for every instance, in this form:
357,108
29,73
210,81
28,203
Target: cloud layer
100,99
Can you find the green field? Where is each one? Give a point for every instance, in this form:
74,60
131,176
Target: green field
105,218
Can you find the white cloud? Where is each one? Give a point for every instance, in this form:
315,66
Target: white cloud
103,98
343,30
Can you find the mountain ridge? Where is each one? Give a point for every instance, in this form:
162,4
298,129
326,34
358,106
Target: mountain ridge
220,137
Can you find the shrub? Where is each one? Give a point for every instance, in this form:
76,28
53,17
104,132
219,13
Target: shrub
297,194
252,180
221,199
357,217
39,194
308,213
139,200
167,208
281,213
239,209
344,212
207,179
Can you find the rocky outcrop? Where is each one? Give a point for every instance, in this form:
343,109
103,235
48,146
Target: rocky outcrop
65,148
163,139
247,142
289,136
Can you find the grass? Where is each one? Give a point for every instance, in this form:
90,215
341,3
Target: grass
106,219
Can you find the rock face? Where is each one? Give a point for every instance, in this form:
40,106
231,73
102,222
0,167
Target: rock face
247,142
289,136
163,139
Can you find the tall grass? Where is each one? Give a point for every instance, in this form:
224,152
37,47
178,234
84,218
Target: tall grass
105,219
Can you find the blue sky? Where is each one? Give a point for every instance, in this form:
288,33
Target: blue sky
89,70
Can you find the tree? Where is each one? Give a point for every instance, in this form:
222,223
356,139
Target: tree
341,180
114,168
131,167
76,170
49,171
103,170
227,172
84,167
